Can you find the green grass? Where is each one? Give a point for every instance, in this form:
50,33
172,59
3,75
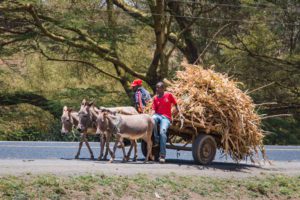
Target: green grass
143,186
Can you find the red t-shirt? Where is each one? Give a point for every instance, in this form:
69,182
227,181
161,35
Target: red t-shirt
162,105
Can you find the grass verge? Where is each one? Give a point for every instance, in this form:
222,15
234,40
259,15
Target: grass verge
146,187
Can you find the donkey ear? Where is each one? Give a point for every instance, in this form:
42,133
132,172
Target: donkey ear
83,102
91,103
65,108
96,109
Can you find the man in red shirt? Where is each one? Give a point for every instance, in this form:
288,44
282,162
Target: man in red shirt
161,113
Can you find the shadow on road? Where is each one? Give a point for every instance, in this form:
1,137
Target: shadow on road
225,166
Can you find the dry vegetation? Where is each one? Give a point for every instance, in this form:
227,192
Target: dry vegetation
212,103
146,187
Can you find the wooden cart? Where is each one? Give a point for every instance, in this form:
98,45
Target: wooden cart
204,142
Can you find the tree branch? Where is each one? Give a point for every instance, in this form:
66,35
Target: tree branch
252,54
210,42
179,36
138,14
102,52
93,66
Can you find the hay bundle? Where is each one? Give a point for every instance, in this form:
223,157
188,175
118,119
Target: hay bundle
212,103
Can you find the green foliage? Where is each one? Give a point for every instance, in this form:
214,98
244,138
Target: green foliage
283,131
259,45
32,103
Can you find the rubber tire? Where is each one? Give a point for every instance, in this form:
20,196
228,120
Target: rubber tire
155,150
204,149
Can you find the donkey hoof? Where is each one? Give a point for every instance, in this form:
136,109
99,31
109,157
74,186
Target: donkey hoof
127,158
92,158
99,158
77,157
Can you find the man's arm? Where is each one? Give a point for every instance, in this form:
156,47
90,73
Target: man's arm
177,108
174,102
153,107
139,102
178,111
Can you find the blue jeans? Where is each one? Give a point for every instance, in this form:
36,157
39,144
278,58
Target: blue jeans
164,123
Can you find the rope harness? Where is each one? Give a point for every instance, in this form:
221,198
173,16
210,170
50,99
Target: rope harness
116,125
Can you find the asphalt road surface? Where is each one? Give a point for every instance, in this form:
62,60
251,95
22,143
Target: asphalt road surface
58,158
67,150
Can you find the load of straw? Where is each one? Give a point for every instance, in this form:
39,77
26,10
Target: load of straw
211,103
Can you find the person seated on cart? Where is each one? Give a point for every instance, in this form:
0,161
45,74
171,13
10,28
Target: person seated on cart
161,113
141,95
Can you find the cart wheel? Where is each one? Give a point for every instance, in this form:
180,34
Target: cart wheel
155,150
204,149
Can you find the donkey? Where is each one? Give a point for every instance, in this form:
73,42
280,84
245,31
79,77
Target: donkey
87,118
70,119
126,110
127,126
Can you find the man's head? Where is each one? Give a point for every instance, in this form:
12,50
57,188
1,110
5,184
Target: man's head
160,88
136,84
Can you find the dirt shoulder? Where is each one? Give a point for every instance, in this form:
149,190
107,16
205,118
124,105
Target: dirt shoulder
181,168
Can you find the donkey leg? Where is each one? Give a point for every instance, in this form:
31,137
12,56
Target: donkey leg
106,150
123,149
89,148
80,146
149,150
112,153
135,150
106,144
129,151
149,145
102,143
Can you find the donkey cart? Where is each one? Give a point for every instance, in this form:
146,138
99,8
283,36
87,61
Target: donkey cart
204,143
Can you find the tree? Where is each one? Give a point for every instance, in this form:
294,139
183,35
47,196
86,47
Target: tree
201,31
47,27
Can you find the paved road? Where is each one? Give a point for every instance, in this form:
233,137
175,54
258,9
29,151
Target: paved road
19,158
67,150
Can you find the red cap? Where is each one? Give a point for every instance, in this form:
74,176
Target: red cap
136,82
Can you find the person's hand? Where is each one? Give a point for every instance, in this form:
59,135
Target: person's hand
140,110
176,112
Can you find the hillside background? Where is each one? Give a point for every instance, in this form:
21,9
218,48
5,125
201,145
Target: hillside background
254,42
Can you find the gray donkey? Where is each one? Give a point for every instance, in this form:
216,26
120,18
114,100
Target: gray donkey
106,136
87,118
132,127
70,119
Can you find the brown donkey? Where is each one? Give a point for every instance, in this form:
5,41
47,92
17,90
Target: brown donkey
125,110
132,127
